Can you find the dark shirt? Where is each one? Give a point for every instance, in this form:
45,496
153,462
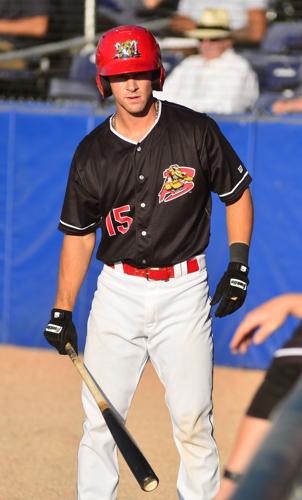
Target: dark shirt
152,199
12,9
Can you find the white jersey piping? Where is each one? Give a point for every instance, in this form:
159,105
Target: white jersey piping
288,351
234,188
75,227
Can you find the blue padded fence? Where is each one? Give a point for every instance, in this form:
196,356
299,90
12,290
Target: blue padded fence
37,143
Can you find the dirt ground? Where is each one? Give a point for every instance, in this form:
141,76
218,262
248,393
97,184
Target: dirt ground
41,425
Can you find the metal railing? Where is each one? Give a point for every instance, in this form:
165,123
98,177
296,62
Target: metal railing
72,43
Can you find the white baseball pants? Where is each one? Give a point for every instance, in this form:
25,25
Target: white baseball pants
133,320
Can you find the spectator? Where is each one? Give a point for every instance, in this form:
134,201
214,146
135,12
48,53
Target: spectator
112,13
42,20
27,23
281,376
284,106
217,80
21,23
247,18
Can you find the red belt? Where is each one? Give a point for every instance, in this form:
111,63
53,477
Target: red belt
161,273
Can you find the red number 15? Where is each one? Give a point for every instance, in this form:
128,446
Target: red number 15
124,220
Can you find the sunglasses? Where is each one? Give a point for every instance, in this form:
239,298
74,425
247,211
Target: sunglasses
211,39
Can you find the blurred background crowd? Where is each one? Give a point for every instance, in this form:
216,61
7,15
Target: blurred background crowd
220,57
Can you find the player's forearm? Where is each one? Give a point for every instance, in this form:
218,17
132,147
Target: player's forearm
254,30
251,434
74,262
29,26
292,304
239,217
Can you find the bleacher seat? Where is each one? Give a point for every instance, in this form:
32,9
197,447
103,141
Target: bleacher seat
283,37
265,101
83,66
68,89
171,60
276,72
80,84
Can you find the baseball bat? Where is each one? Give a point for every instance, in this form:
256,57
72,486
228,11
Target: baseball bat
136,461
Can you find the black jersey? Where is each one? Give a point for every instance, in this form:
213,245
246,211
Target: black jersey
152,199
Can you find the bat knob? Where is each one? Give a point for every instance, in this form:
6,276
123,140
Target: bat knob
150,483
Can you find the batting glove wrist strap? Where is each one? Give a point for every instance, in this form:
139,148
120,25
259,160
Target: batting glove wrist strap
61,314
239,252
231,290
61,330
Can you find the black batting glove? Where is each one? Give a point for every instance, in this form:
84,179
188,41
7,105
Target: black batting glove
231,289
61,330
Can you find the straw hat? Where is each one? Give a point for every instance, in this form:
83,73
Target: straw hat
214,23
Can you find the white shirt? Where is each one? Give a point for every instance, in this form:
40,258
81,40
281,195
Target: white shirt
226,84
237,9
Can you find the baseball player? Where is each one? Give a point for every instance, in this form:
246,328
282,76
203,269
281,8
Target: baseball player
145,176
282,374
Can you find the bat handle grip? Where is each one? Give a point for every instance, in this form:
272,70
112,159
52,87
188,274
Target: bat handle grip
102,404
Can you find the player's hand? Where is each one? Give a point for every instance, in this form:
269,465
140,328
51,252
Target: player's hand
259,323
231,289
61,330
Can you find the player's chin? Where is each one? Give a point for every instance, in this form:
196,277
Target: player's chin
136,105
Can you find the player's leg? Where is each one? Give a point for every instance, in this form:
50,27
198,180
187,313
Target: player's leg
115,354
181,351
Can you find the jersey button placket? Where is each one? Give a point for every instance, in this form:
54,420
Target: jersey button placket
143,236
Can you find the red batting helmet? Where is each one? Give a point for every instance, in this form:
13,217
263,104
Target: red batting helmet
127,49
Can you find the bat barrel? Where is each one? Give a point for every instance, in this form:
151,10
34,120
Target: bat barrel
150,483
136,461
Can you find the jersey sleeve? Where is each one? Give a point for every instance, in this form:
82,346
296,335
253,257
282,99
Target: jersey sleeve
227,175
81,212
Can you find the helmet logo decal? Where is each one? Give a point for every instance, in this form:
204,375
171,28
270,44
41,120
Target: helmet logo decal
178,181
127,49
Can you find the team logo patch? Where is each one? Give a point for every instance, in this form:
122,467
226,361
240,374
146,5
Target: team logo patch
178,181
127,49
